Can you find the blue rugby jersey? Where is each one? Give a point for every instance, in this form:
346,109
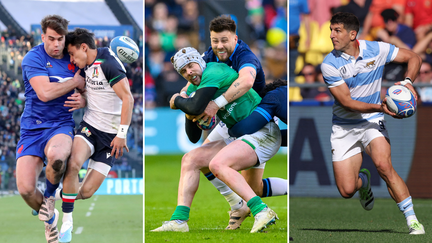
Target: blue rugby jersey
362,76
240,58
274,103
38,114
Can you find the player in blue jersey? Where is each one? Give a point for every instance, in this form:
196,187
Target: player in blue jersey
46,125
101,136
227,48
353,73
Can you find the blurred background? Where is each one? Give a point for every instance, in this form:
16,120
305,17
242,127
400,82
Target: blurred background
174,24
404,23
20,30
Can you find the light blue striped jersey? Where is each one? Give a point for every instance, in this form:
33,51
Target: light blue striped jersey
362,76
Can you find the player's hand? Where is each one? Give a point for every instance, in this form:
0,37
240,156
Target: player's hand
411,88
80,82
209,112
184,95
386,110
172,106
190,117
75,101
117,145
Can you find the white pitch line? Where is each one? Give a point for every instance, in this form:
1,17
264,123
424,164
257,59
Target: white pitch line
88,214
79,230
95,198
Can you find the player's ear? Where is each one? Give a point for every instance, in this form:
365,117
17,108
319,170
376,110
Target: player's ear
172,59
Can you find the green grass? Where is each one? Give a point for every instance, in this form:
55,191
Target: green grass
208,215
342,220
113,219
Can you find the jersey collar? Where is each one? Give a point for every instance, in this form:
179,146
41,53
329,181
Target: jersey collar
362,46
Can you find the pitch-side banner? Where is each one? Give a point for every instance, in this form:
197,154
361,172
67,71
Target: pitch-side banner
310,158
165,132
127,186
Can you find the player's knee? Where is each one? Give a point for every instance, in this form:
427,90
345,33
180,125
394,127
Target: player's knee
191,161
86,192
26,191
73,167
384,168
58,166
347,192
215,167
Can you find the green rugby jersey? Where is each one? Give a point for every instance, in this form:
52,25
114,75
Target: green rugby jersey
221,76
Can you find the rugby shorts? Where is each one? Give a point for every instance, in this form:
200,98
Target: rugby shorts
33,142
349,140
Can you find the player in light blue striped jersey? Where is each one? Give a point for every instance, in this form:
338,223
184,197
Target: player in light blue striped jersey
353,73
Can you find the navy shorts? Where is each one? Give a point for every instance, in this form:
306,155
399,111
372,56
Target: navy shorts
99,143
33,142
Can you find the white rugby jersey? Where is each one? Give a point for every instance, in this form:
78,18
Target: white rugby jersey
103,105
362,76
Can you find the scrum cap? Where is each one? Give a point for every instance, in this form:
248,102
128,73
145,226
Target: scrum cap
185,56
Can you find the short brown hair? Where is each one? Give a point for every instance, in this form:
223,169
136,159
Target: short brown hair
56,23
221,23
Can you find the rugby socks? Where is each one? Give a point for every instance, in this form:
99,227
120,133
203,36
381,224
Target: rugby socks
256,205
274,187
58,194
234,200
364,179
68,205
407,208
180,214
50,189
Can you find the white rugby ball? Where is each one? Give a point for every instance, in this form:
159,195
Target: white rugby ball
401,101
125,48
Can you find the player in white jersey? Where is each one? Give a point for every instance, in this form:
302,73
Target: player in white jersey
102,133
353,73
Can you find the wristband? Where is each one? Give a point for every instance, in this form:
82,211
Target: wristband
183,92
122,131
406,81
220,101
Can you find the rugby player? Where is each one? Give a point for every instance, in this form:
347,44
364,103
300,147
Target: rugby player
101,136
47,127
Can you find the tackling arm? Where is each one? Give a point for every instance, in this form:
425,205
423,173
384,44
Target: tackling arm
47,90
195,105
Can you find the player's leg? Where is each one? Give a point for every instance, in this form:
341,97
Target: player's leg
239,211
380,152
248,151
346,173
268,187
28,169
57,151
191,165
81,151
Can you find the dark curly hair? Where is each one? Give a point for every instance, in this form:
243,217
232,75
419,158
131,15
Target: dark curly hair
273,85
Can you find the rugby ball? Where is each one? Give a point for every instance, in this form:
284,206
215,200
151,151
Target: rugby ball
125,48
206,125
401,101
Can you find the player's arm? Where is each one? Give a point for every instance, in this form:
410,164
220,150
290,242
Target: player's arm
414,62
194,105
192,130
238,88
342,94
254,122
47,90
76,101
122,90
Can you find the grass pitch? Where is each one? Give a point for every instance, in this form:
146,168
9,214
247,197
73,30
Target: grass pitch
344,220
208,215
98,219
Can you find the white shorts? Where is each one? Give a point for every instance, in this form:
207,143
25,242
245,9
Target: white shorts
349,140
265,142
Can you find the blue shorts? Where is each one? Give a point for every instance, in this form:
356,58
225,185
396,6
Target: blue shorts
98,141
33,142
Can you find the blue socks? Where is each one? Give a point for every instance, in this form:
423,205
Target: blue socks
51,188
407,208
364,179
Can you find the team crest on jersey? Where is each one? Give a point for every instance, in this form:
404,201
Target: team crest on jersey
86,131
95,73
370,64
48,65
71,67
343,70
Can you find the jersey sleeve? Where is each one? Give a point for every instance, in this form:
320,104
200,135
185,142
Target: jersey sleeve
248,59
331,75
113,70
33,65
390,49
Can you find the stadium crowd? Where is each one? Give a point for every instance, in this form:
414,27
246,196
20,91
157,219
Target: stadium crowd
12,102
173,24
403,23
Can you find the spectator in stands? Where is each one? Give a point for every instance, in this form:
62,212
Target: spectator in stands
425,77
188,21
310,74
418,16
